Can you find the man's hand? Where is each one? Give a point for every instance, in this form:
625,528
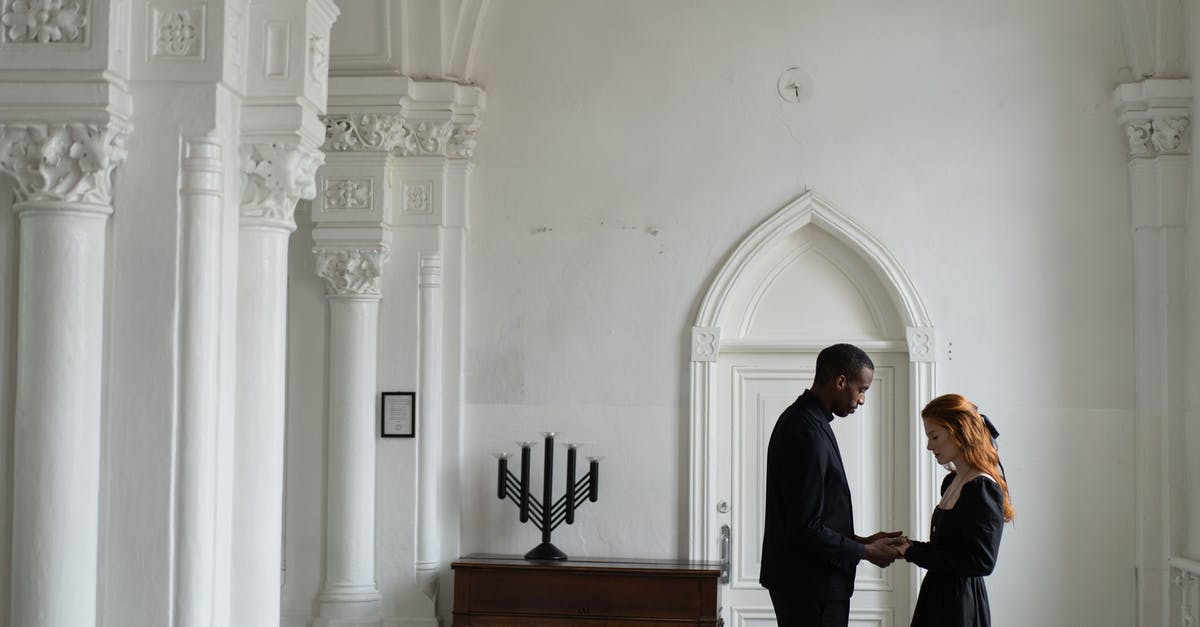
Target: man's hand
882,548
879,535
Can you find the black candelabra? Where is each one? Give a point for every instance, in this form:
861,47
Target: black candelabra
547,517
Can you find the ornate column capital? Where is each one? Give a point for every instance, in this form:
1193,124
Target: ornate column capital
274,177
391,132
351,271
1164,135
1156,116
65,162
402,116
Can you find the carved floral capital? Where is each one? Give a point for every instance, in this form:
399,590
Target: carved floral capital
405,138
1166,135
351,271
274,178
62,162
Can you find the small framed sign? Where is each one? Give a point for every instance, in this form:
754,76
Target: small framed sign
398,415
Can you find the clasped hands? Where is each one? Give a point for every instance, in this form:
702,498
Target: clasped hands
884,547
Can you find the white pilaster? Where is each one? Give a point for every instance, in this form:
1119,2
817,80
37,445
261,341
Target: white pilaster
429,455
1155,115
63,174
202,204
351,246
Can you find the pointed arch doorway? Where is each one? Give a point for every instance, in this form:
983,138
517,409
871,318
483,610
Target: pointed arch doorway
806,278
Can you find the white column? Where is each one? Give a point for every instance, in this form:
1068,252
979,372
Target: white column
431,136
275,177
287,56
199,341
429,445
1155,117
351,246
63,174
350,596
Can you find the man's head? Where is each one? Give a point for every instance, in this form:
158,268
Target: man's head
844,372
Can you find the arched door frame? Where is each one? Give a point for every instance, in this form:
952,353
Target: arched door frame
919,343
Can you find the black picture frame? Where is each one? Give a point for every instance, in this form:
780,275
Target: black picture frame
398,414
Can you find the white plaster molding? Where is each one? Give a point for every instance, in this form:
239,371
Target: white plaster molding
808,209
1138,135
706,342
393,133
1155,115
45,21
431,270
353,194
418,197
351,271
277,36
1165,135
119,34
274,177
71,162
235,29
178,32
318,58
404,117
288,47
922,344
362,132
349,194
1170,135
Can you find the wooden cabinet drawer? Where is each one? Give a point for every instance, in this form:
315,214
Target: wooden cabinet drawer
499,590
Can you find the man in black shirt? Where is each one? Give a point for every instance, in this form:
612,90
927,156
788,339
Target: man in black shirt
810,551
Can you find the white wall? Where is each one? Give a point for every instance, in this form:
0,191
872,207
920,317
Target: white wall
626,149
629,146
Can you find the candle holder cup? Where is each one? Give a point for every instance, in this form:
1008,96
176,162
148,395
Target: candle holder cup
546,516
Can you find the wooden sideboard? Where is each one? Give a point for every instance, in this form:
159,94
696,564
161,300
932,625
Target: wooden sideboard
509,590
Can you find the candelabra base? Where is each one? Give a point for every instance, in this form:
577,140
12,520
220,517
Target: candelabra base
545,551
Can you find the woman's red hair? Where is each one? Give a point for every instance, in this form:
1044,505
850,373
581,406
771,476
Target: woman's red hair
960,418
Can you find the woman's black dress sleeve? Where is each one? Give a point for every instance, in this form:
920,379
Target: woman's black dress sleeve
962,549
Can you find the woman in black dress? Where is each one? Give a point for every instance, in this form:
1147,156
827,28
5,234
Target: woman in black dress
967,522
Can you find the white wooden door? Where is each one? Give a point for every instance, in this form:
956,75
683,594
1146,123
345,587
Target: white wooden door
752,390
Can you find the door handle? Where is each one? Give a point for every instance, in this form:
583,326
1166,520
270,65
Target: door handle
725,542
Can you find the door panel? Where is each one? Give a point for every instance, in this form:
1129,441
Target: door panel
753,390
